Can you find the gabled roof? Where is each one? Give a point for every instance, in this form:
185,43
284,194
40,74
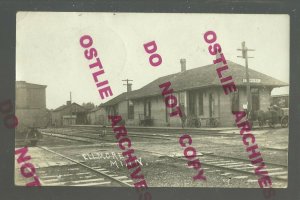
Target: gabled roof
66,106
200,77
120,97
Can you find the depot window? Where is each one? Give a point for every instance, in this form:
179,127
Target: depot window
235,101
130,110
200,103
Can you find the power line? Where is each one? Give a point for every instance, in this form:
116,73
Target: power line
128,84
245,56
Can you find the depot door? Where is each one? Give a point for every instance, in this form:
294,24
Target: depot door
192,103
255,99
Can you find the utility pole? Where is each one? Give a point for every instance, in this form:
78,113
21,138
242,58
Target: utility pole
128,90
70,120
245,56
128,84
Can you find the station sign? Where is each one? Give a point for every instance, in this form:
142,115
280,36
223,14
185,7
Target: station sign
252,80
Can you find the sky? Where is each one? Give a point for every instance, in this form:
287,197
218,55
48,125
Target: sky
48,51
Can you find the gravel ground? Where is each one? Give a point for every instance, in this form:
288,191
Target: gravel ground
167,172
158,171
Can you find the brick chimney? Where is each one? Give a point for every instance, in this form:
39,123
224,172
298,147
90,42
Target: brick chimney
183,64
68,103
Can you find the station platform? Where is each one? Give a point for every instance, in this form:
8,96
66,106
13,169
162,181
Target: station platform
213,129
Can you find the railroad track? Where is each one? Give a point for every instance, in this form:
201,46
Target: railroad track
276,171
230,164
69,172
92,135
154,134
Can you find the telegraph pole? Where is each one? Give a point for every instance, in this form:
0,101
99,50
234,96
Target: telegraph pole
128,90
245,56
128,84
70,119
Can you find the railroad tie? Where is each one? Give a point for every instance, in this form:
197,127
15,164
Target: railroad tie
217,162
128,181
236,166
87,180
283,177
230,164
251,181
275,169
83,173
243,168
73,169
277,173
121,177
225,174
93,184
240,177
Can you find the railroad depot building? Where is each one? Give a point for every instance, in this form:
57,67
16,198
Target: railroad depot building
69,114
198,92
31,105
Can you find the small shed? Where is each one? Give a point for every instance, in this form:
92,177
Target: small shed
71,113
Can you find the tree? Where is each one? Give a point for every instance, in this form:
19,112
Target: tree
88,106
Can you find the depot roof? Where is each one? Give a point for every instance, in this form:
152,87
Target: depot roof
200,77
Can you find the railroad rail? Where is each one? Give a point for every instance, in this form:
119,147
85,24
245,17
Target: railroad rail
97,132
75,173
276,171
230,164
